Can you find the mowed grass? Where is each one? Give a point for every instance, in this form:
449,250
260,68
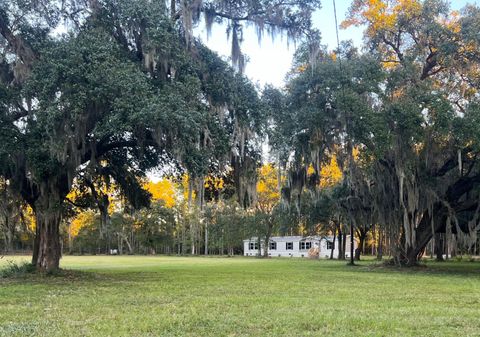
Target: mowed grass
194,296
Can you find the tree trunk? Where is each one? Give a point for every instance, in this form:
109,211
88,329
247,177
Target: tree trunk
129,246
120,245
362,235
104,217
206,239
344,245
265,248
423,232
412,256
70,239
374,241
423,235
47,249
340,243
267,237
5,249
222,241
351,244
9,234
333,244
184,238
454,248
380,245
439,243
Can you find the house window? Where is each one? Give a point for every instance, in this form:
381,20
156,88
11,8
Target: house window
273,245
253,246
305,245
329,245
289,245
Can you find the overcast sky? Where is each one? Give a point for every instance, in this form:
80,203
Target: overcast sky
270,61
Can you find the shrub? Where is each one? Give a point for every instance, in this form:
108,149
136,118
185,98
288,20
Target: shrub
15,270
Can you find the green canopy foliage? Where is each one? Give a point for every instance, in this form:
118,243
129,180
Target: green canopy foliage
408,108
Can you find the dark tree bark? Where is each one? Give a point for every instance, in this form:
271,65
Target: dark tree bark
269,223
344,244
48,207
380,245
439,245
9,233
333,245
265,249
362,235
102,201
47,248
341,253
424,231
351,244
423,235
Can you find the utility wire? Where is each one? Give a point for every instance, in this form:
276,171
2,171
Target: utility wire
336,30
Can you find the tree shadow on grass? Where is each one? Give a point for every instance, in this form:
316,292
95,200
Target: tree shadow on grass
25,272
426,267
447,268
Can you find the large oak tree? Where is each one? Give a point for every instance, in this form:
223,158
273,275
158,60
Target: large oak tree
93,89
410,108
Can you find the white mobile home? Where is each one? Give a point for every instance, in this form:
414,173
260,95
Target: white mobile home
297,246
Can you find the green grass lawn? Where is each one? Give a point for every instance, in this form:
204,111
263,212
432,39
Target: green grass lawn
182,296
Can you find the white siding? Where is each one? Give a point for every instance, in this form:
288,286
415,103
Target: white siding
282,251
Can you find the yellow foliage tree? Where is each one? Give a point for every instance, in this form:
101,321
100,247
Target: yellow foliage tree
214,183
80,221
381,15
382,20
330,174
29,221
396,27
114,201
268,193
164,190
268,196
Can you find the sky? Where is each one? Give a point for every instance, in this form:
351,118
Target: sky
270,60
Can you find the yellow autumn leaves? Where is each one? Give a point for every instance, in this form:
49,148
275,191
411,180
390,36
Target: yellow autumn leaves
80,221
170,193
387,20
163,189
381,15
268,185
268,192
330,174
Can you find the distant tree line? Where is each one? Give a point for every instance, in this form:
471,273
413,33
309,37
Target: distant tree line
383,142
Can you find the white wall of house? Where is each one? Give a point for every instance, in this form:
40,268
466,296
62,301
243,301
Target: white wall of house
295,246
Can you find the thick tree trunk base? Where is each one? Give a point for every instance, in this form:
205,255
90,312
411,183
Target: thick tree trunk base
409,259
47,248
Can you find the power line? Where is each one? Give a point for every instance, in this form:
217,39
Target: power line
336,31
